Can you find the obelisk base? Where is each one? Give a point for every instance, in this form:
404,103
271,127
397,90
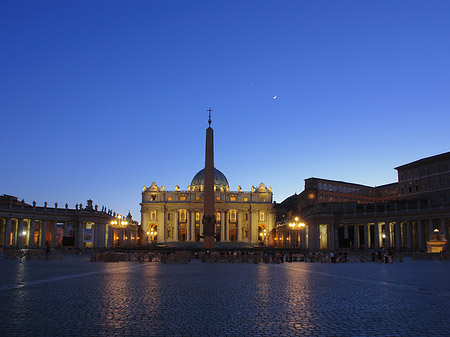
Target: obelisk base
208,231
208,242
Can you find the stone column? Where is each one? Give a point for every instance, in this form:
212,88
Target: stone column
239,225
227,225
54,234
31,236
430,227
387,232
121,236
110,236
188,226
346,231
66,229
103,235
193,225
19,234
201,224
398,236
420,234
376,234
96,235
222,226
254,227
409,234
444,226
332,236
313,236
177,226
80,233
43,233
366,236
356,236
8,232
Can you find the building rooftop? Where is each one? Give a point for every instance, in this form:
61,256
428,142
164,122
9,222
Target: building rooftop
424,161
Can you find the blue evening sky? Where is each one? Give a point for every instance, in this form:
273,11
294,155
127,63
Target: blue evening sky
98,98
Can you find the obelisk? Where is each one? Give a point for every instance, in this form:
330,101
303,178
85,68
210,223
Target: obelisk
209,219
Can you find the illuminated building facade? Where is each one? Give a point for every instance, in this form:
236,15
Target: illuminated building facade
176,216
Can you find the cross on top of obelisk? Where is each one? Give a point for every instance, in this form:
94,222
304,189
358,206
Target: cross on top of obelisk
209,120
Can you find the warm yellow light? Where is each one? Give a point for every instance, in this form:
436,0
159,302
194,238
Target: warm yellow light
119,216
24,233
260,234
148,233
301,224
296,218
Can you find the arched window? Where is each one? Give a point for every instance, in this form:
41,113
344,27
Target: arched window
218,216
153,215
197,216
232,216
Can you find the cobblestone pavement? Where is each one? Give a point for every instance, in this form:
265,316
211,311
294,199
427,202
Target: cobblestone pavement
75,297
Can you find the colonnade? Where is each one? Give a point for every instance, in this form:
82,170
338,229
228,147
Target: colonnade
231,225
21,232
402,233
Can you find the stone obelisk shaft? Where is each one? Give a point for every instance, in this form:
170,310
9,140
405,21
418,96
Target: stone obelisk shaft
209,219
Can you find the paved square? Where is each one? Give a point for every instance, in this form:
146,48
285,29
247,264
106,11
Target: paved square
76,297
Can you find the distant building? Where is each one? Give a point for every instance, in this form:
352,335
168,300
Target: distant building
345,215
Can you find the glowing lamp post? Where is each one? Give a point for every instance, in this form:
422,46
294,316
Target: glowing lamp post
297,227
264,235
152,235
118,224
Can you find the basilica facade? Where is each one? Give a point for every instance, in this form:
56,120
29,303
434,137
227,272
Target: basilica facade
176,216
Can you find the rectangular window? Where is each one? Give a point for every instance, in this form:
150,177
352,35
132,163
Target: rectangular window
232,198
169,199
218,198
197,198
245,199
262,216
182,198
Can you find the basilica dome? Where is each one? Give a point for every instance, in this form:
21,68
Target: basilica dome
220,181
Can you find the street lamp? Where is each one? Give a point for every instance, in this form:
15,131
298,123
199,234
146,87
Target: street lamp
151,234
264,235
118,222
297,226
